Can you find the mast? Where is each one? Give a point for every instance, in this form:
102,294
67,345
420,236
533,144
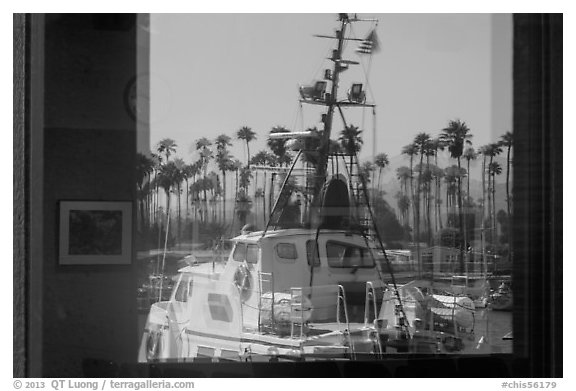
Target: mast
331,103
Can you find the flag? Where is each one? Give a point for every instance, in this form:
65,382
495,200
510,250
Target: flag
370,44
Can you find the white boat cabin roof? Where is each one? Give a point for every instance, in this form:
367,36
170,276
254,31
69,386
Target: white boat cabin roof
255,237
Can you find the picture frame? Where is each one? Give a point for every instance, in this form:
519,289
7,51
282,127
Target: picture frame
95,233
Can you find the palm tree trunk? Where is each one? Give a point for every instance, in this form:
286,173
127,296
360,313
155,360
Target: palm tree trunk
187,204
264,196
461,218
255,198
248,149
224,195
508,204
167,210
494,207
468,180
178,188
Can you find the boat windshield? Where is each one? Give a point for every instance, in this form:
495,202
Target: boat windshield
347,255
244,252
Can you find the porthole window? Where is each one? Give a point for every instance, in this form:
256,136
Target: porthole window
286,251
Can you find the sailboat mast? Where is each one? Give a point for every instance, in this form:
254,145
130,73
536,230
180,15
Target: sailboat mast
331,103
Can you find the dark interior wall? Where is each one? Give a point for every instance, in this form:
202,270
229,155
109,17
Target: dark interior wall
89,154
538,192
20,178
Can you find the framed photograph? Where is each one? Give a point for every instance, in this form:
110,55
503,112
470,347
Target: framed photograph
95,233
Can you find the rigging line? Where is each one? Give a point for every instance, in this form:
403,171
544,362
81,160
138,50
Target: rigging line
295,116
375,227
280,193
322,60
358,222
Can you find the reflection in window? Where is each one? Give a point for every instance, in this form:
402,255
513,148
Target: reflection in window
346,255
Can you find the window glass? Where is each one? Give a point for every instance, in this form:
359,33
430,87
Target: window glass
312,253
239,252
348,256
286,251
252,253
183,290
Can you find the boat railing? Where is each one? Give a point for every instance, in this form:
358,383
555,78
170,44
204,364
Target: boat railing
342,302
297,311
370,298
268,280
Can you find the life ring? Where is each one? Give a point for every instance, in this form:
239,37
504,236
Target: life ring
243,281
153,345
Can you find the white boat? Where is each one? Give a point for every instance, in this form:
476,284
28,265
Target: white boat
239,308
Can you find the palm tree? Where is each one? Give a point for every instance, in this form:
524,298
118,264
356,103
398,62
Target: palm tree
366,170
506,141
494,169
411,150
222,142
438,145
224,162
157,159
437,174
403,174
469,154
455,136
381,161
403,206
247,134
491,150
189,171
166,146
144,168
179,177
167,178
351,142
245,177
202,145
278,146
421,142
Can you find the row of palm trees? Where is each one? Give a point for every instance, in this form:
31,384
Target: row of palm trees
421,183
160,172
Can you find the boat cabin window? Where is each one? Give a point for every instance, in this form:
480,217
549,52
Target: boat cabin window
252,253
244,252
286,251
347,255
312,253
239,252
183,290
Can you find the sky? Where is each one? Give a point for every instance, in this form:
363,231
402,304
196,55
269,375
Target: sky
214,73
